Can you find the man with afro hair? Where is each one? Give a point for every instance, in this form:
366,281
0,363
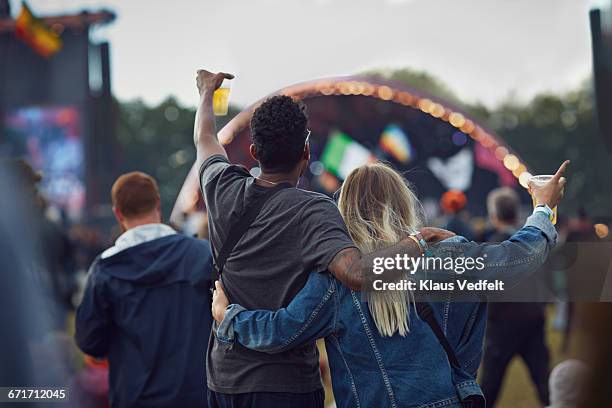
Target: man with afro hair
295,233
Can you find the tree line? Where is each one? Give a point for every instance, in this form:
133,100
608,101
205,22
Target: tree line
543,131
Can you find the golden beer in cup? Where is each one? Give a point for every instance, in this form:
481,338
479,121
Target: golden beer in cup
539,181
221,99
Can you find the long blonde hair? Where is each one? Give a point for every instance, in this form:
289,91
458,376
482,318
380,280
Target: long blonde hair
380,209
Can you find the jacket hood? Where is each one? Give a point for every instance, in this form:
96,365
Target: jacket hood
162,260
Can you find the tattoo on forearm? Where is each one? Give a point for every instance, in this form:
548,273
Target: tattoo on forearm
354,269
345,267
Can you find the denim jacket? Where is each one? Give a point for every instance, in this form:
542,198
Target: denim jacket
369,370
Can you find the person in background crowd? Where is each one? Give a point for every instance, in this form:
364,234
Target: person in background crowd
146,306
453,203
581,228
88,243
513,328
580,231
56,249
567,383
193,222
59,254
203,232
89,387
32,350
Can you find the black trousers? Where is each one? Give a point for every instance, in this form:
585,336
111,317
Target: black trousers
503,341
313,399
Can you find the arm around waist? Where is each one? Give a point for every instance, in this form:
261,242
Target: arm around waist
311,315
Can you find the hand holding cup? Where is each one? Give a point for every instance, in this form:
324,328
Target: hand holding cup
210,81
551,191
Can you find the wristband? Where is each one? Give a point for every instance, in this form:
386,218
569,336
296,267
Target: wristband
422,243
545,209
416,240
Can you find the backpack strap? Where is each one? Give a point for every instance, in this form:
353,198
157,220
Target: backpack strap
241,226
426,313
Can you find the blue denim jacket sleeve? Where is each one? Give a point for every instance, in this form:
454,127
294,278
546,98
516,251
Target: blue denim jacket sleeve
309,316
523,253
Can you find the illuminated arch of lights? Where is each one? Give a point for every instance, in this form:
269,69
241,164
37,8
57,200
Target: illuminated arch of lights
375,88
396,94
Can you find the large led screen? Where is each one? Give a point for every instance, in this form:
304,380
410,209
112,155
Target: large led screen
51,140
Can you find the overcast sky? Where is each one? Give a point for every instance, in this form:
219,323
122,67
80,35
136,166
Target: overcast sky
483,49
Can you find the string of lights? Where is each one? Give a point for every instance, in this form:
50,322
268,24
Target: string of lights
427,105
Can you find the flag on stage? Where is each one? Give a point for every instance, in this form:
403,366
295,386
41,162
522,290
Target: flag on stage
34,32
395,142
342,154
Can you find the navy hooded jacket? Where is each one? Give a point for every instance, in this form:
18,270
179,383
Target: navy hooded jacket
147,309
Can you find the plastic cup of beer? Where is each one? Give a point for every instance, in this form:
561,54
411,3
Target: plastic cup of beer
221,98
539,181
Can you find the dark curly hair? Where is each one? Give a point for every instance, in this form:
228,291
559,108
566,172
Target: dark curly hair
278,129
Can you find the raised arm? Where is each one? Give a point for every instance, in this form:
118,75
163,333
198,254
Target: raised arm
354,269
525,251
205,132
510,261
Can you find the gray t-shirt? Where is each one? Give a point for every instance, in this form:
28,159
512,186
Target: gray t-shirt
296,232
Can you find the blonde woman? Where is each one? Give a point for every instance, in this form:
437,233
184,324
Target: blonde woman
382,353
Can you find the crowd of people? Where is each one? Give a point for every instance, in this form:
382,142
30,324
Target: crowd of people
272,245
288,267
